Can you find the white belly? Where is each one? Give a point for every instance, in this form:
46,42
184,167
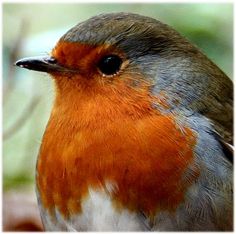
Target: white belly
98,214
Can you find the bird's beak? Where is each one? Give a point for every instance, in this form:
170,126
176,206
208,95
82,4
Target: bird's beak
42,64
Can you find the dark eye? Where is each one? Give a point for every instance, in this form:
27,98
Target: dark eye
110,64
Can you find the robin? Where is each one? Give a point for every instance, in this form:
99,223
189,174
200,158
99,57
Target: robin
139,134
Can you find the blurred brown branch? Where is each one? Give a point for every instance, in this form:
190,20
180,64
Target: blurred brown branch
11,83
22,119
20,212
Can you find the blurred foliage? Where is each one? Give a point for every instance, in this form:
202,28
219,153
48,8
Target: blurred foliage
209,26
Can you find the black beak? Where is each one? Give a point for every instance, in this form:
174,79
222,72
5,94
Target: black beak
43,64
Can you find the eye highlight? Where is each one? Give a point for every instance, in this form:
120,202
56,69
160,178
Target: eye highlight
110,64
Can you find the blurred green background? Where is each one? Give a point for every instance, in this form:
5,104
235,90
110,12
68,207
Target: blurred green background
33,29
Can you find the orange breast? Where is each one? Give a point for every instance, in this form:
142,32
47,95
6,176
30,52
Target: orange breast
102,139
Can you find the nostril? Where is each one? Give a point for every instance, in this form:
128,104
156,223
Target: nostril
51,60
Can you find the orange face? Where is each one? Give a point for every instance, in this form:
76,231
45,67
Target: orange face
85,58
105,129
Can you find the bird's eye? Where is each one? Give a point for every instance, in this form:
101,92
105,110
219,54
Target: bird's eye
110,64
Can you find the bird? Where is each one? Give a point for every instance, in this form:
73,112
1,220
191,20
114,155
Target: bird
140,133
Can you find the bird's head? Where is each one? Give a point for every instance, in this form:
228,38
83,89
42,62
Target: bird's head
111,48
119,52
